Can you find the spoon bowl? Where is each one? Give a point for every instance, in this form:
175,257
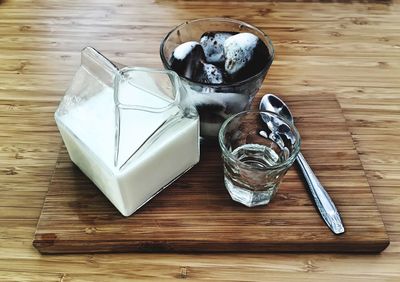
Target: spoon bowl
272,103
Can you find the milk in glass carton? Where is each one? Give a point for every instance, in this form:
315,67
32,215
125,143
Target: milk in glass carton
132,131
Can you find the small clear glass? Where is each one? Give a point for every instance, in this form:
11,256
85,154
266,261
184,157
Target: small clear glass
257,149
132,131
216,102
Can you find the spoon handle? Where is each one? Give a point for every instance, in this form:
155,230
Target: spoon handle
322,200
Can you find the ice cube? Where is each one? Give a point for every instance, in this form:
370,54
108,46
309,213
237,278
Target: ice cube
186,59
212,112
208,73
245,55
213,46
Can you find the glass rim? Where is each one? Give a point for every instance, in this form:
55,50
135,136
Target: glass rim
220,19
230,156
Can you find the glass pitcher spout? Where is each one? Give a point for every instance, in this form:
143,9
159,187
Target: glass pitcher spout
94,75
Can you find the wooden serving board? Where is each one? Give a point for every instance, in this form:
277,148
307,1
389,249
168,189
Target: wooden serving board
196,214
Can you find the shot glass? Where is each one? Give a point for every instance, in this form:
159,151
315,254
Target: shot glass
257,148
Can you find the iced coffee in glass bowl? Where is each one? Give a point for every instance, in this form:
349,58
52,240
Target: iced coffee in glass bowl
221,62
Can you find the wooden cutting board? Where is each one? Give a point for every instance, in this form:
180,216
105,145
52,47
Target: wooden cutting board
196,214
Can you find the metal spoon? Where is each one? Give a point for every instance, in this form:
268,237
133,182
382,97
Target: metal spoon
322,200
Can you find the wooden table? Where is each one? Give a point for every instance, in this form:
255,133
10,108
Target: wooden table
349,49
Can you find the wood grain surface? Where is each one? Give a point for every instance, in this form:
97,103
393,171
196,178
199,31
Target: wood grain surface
196,214
347,49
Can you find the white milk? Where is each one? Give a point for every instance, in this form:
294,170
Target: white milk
88,131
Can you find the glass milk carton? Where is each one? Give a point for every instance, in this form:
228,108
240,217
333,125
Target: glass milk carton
132,131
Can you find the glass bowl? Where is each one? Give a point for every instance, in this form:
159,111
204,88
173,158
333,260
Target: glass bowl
216,102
